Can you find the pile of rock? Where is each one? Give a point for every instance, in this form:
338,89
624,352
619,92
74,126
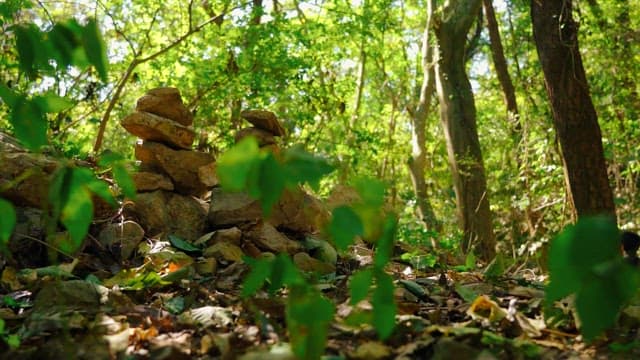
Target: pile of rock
173,177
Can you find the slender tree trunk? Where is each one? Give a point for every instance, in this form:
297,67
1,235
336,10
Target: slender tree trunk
458,116
500,63
417,163
575,119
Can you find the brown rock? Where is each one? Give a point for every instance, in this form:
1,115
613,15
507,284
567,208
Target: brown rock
265,236
232,209
165,102
300,212
182,166
34,172
305,262
232,235
224,251
265,120
127,234
263,137
152,127
169,213
207,174
148,181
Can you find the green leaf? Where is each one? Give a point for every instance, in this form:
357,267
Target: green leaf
384,245
260,272
52,103
26,41
359,285
495,268
283,273
124,180
95,49
87,178
29,123
271,182
585,260
371,191
64,42
308,317
181,244
7,221
344,226
8,96
77,212
384,307
302,167
235,165
175,305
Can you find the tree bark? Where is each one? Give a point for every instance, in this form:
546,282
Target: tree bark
576,122
500,63
458,116
417,163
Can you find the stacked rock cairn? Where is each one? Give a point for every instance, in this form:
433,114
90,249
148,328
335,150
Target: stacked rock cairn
172,180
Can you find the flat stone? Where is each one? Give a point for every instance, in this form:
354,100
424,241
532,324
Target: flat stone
182,166
165,102
224,252
263,137
306,263
265,120
152,127
148,181
232,208
265,236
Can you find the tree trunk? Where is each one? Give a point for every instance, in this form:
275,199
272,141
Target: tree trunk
500,63
575,119
458,116
417,163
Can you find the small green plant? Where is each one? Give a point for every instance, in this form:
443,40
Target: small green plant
585,261
12,340
264,177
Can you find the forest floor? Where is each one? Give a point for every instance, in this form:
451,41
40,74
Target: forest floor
50,313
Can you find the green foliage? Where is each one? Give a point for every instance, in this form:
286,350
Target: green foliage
13,340
183,245
308,313
345,225
117,163
70,197
585,260
263,176
7,222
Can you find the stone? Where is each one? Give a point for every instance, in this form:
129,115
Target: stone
263,137
169,213
305,262
232,208
320,249
33,174
152,127
148,181
265,120
207,174
232,235
182,166
206,266
298,211
224,252
167,103
72,294
127,235
265,236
